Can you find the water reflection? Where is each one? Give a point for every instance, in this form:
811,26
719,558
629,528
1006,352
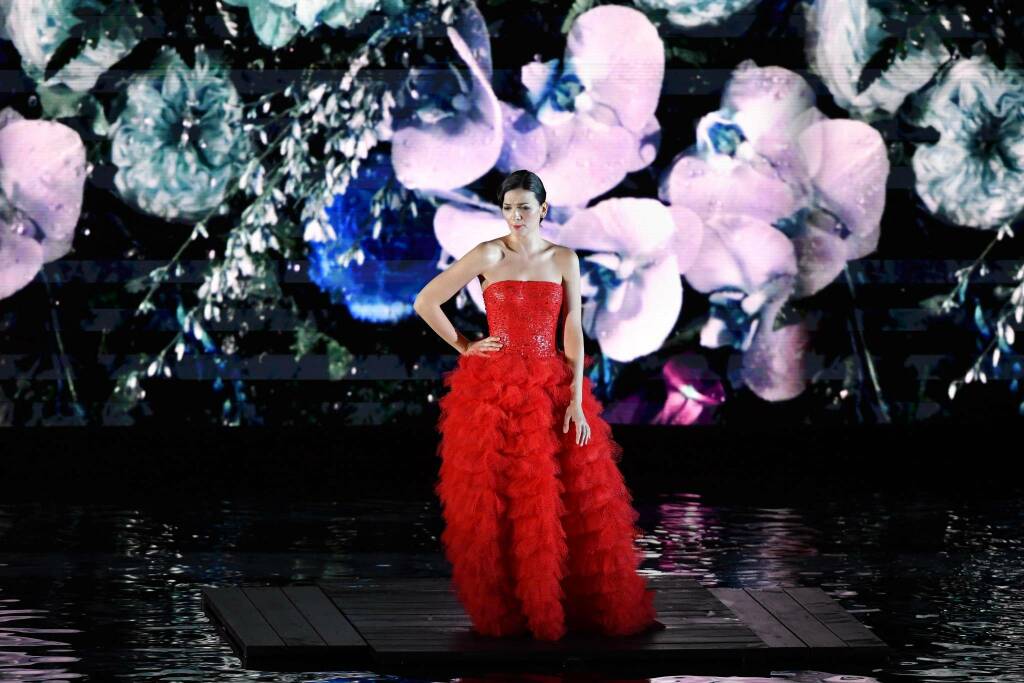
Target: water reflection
20,643
734,547
102,591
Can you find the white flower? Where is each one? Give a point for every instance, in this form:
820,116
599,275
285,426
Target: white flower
974,174
843,36
38,27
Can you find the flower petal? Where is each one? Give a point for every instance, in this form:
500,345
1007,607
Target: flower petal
638,226
42,172
454,151
650,302
678,410
21,257
459,229
849,166
740,252
774,367
275,26
692,391
632,409
688,236
715,334
585,158
693,183
620,58
524,144
766,99
821,255
647,143
973,174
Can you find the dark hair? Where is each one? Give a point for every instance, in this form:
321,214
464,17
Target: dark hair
523,180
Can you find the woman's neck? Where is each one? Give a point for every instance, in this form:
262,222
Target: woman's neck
525,245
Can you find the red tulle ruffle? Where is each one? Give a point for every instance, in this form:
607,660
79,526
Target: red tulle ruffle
540,531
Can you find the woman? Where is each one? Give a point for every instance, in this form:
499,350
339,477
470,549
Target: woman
539,528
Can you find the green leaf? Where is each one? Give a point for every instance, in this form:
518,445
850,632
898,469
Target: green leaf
59,101
686,55
933,304
136,285
306,339
91,109
67,51
888,50
339,360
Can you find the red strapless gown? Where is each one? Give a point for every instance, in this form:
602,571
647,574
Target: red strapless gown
539,530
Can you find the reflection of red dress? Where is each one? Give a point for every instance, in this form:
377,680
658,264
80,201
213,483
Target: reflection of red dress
539,530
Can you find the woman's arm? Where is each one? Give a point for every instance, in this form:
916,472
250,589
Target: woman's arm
573,336
445,285
573,332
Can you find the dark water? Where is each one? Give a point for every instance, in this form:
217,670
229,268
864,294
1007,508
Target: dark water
98,592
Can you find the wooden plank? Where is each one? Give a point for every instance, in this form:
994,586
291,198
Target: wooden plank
421,620
323,616
797,619
703,602
289,624
754,615
672,581
445,581
244,624
385,597
416,585
838,620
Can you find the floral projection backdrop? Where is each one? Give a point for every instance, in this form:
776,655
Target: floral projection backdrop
220,211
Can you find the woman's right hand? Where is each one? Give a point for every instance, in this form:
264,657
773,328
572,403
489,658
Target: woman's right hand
483,347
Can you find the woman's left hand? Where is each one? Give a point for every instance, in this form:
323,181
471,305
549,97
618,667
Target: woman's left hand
575,413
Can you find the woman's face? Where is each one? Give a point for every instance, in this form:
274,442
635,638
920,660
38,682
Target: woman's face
521,210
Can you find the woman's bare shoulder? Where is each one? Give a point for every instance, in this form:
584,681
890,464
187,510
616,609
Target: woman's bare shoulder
490,250
563,253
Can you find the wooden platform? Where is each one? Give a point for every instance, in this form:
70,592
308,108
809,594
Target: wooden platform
384,623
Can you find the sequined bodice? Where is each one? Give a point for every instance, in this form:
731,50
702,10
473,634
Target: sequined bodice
524,314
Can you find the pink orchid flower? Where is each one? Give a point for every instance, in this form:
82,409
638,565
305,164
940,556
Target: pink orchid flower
452,143
771,154
592,119
749,270
691,394
42,178
806,192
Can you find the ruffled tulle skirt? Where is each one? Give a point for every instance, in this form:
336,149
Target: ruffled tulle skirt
540,531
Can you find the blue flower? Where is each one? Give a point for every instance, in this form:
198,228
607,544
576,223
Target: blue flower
376,276
974,174
179,141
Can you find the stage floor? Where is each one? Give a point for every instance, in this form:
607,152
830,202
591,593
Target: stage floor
393,623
